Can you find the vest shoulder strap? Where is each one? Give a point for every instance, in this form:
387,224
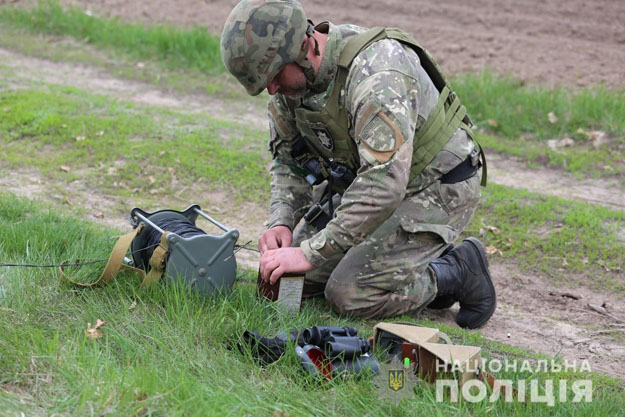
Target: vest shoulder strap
449,114
361,41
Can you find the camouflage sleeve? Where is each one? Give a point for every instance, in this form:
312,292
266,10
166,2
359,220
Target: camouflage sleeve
383,101
291,195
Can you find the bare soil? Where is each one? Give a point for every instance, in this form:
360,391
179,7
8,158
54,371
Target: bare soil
572,43
554,42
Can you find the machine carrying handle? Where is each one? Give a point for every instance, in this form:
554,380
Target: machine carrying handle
199,211
148,222
190,213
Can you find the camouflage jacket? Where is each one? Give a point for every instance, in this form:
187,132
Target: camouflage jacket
388,78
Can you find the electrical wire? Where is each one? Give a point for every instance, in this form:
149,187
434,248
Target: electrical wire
174,225
65,265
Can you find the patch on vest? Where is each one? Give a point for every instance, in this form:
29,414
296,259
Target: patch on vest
324,138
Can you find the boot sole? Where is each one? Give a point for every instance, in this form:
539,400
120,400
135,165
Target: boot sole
484,263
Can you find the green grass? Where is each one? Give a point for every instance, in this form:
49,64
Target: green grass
557,238
117,146
513,117
165,351
121,63
189,47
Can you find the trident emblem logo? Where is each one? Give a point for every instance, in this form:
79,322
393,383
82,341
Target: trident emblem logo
396,379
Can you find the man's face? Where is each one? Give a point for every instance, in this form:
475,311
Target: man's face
290,81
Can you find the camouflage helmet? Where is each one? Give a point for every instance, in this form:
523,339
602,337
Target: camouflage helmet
260,37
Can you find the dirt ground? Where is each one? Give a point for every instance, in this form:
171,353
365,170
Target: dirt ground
572,43
555,42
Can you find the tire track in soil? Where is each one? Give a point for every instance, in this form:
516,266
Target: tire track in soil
536,320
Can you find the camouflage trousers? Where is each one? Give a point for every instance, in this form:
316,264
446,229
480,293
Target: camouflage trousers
388,273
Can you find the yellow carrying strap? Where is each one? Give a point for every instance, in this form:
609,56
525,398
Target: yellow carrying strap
114,263
158,261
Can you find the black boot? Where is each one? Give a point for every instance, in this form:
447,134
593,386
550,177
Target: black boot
463,274
442,302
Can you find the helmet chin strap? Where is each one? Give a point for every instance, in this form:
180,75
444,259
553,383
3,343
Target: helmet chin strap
302,59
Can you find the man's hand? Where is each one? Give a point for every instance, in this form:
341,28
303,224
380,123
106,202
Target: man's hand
276,262
274,238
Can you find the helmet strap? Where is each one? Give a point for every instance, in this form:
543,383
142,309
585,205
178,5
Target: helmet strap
303,61
310,31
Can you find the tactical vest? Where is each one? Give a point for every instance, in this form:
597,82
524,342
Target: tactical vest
326,131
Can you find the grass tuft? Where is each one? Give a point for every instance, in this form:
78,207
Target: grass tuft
180,47
558,238
121,148
520,120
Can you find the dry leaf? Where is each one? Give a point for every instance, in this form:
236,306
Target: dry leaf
151,179
595,347
607,268
554,143
585,261
551,116
494,229
99,215
132,306
172,172
6,109
491,250
161,153
493,122
140,65
80,138
596,135
111,170
140,395
101,133
94,332
153,191
564,262
598,138
64,168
